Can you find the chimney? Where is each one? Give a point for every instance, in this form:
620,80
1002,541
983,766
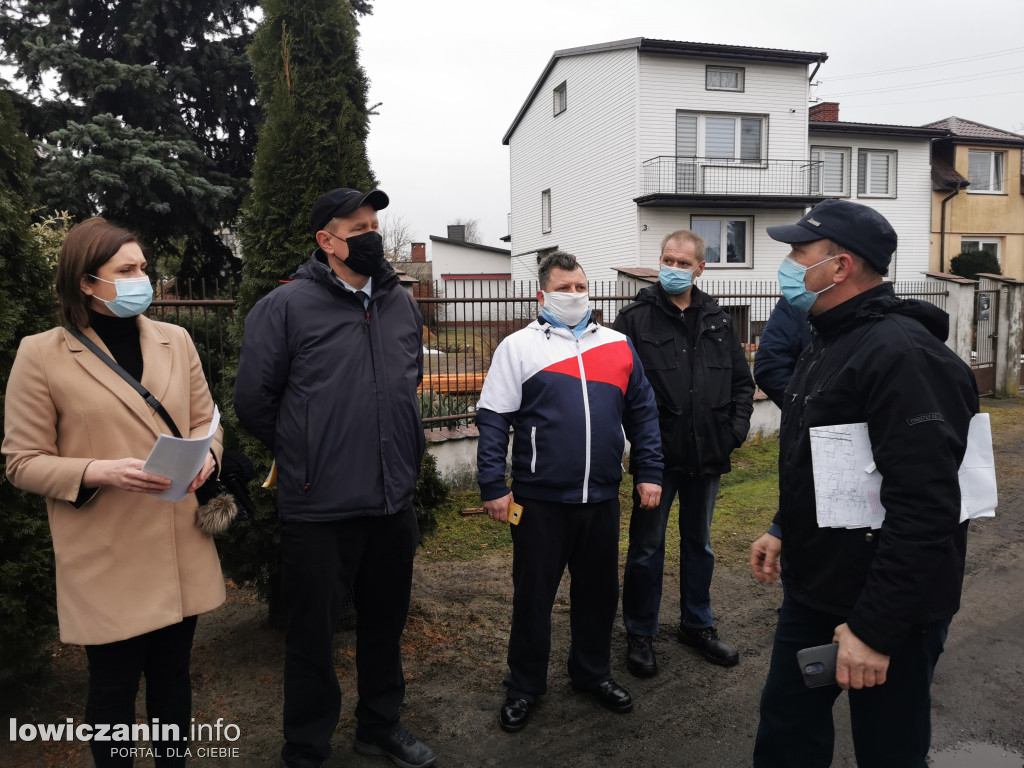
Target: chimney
825,112
419,252
457,232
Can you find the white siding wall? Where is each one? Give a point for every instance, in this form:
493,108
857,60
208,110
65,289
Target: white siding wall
455,259
670,83
910,211
586,156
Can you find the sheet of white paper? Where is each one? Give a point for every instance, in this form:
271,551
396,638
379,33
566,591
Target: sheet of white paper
180,458
978,494
847,484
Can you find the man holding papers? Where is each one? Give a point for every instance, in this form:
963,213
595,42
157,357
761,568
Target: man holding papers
885,595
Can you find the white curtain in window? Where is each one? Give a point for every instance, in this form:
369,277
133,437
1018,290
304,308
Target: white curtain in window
711,231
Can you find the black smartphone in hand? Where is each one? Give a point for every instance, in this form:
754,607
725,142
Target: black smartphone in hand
818,664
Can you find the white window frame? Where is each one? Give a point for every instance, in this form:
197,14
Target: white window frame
980,242
558,97
545,211
867,179
996,172
748,244
737,147
711,70
818,179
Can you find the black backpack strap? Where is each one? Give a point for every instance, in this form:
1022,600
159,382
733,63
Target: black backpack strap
155,404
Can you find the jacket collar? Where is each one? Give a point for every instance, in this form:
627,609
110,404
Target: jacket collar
870,303
156,371
318,270
657,295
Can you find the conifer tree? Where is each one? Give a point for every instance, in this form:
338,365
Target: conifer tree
313,137
27,305
144,111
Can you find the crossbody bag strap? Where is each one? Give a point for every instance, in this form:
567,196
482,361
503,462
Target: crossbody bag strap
150,398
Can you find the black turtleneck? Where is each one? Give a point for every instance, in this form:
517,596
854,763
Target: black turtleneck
121,335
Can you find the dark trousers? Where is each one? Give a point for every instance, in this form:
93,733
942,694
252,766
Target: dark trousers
372,558
645,560
114,673
551,536
891,723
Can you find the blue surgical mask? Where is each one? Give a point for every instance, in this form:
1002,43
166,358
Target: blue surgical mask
675,280
791,281
134,295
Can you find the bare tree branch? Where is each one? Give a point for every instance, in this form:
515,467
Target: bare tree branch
472,229
397,235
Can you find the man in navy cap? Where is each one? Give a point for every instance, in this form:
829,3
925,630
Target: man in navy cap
883,596
327,379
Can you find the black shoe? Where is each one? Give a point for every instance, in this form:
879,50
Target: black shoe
514,714
401,747
640,658
713,649
611,696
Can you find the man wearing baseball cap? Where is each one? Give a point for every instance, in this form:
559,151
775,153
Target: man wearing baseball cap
885,596
327,379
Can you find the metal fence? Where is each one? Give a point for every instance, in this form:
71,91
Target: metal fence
464,321
205,310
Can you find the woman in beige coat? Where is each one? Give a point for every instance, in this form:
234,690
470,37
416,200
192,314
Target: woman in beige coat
133,571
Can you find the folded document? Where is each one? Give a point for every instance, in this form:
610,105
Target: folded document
847,484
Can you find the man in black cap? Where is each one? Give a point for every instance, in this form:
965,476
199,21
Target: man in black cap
885,596
327,379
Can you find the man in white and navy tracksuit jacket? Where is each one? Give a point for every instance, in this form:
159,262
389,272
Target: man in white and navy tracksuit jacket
569,388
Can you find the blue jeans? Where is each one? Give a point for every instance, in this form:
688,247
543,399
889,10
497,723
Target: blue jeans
645,561
891,722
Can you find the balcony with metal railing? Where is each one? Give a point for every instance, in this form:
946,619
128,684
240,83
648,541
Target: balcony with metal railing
703,182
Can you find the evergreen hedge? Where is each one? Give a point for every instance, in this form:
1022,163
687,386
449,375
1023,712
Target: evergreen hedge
27,305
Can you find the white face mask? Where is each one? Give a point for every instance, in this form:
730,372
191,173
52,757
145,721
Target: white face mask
567,308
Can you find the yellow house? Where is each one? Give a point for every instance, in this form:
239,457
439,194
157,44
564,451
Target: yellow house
977,200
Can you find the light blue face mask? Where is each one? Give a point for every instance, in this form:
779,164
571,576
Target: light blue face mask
675,280
134,295
791,281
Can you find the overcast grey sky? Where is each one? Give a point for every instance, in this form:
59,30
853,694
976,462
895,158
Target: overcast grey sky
452,75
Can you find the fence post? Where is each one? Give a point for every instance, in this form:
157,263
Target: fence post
960,307
1009,335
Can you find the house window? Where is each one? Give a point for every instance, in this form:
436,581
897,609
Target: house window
723,78
727,239
985,171
720,137
984,244
876,173
545,211
832,177
559,98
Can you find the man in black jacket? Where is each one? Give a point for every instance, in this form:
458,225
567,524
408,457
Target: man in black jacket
327,380
884,596
702,384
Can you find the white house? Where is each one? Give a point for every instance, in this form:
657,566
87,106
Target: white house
885,166
470,271
621,143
